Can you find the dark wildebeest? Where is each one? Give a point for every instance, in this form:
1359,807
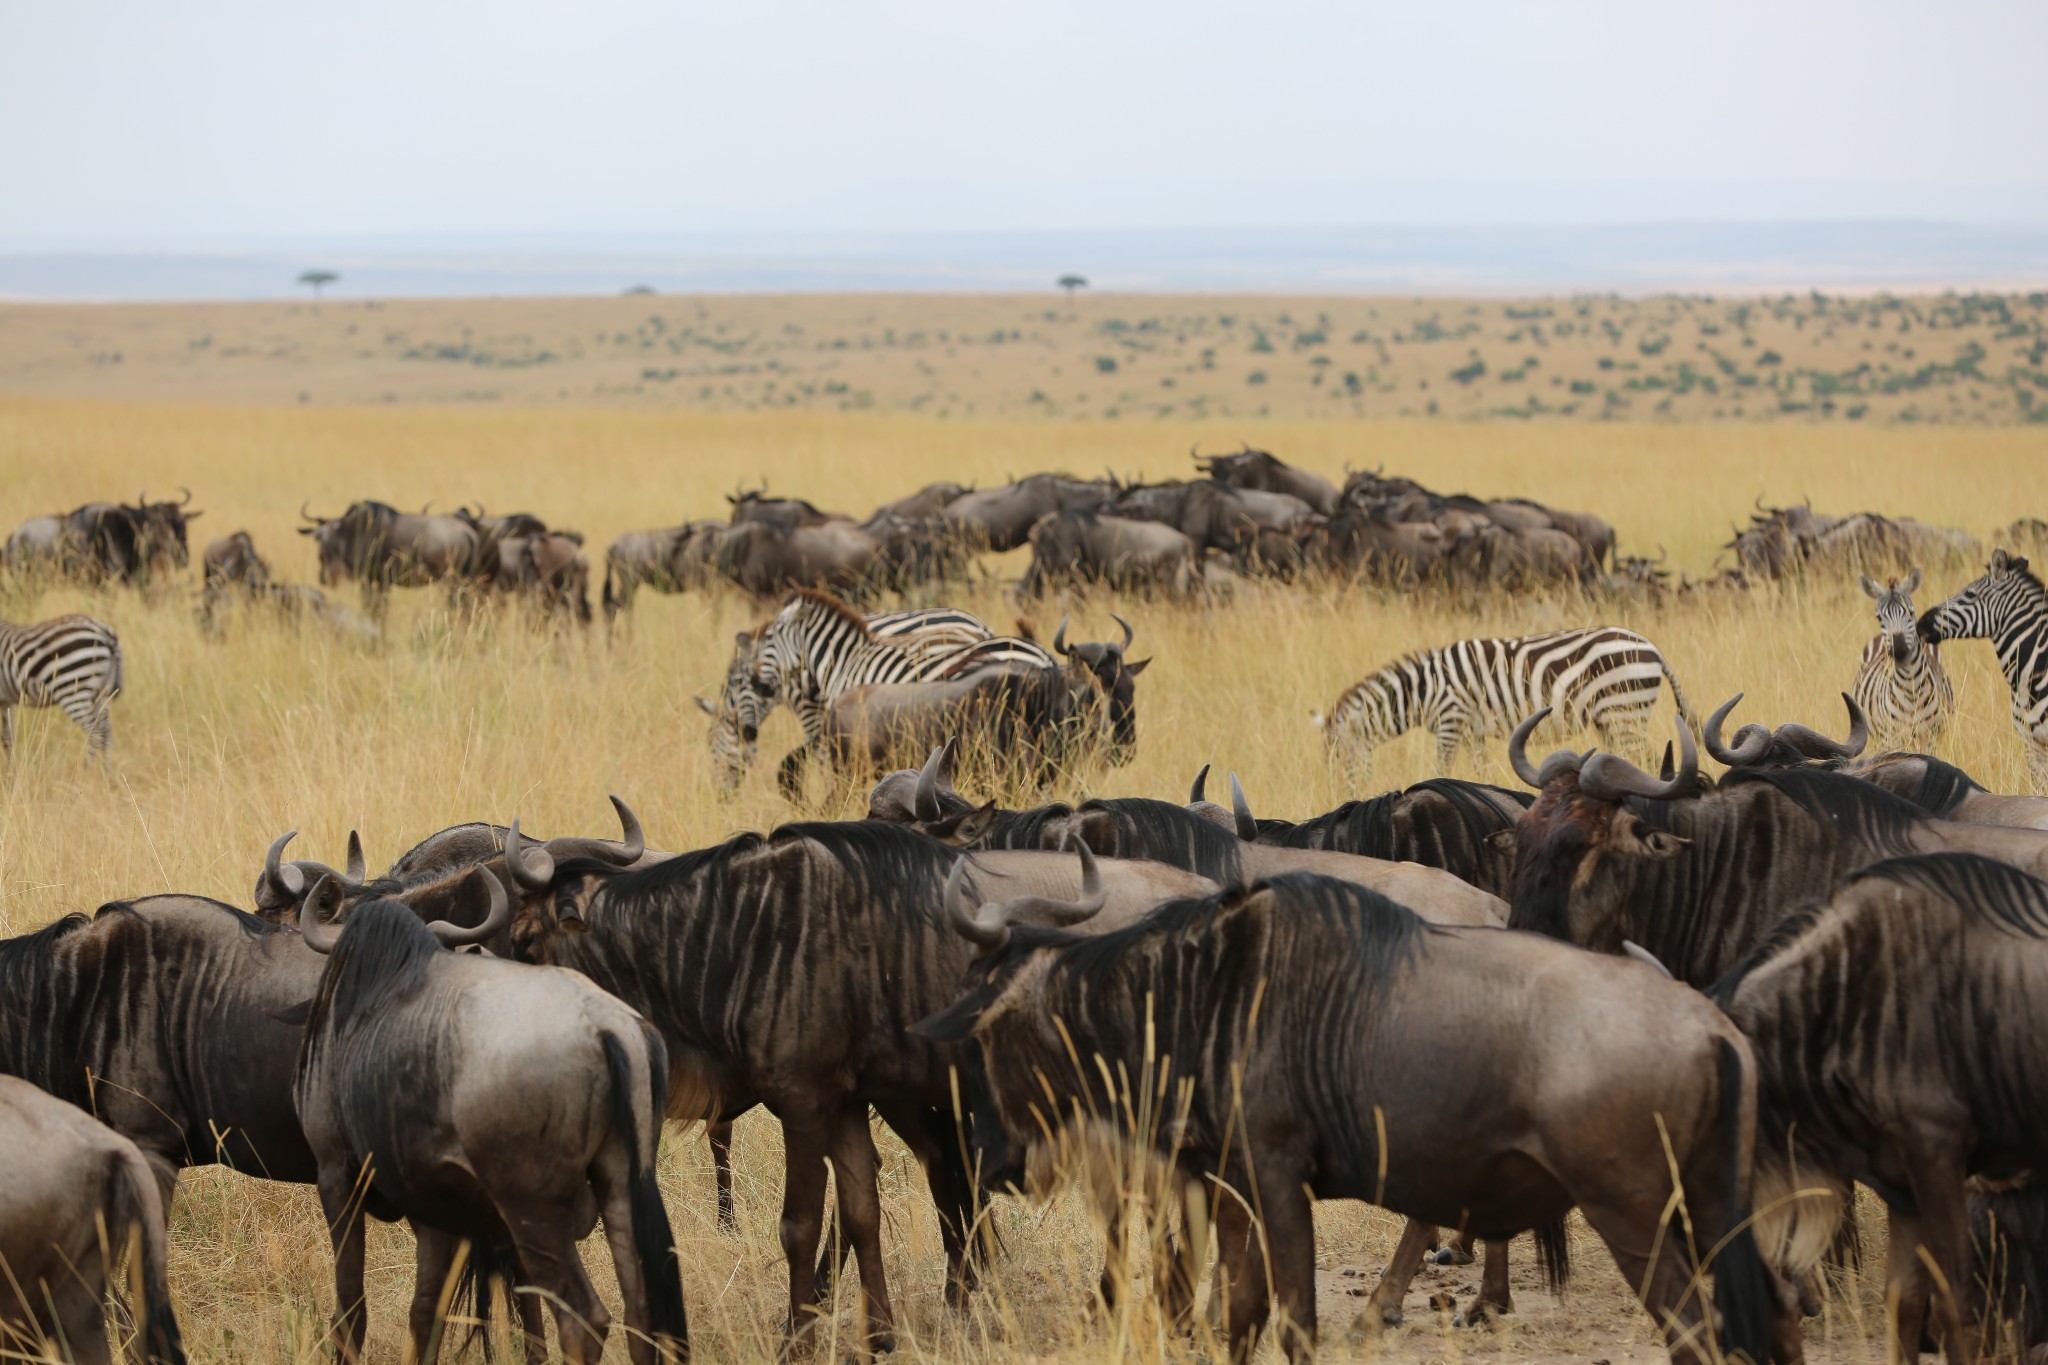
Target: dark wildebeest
1365,544
378,546
1895,1044
914,552
1250,468
1442,822
674,559
1078,546
555,574
75,1192
1314,1040
1000,519
765,559
105,542
491,1103
928,501
786,514
231,570
1256,529
785,970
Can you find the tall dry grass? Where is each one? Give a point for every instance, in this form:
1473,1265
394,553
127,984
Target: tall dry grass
222,744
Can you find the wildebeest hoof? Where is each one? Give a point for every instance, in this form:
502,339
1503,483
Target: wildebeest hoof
1441,1302
1451,1255
1480,1314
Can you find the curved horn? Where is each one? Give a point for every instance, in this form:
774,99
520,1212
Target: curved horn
924,802
1746,751
186,501
534,875
285,882
1814,744
500,915
631,843
1518,750
968,921
1059,639
1609,777
357,868
1247,828
1645,956
1199,792
325,895
308,516
1129,635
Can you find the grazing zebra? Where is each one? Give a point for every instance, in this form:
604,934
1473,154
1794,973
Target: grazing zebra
1902,686
69,661
817,646
1602,677
2009,607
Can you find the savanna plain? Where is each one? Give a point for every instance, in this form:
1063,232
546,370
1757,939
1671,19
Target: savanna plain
223,743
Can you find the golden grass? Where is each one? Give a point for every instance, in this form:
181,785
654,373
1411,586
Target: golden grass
220,745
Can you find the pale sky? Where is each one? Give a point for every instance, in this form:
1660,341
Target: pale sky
229,121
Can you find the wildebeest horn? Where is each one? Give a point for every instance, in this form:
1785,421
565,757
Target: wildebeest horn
1059,639
989,925
1609,777
1645,956
531,867
632,842
924,802
1518,750
325,895
967,921
1247,828
500,915
1814,744
285,882
1199,792
1129,634
1746,751
308,516
357,868
186,501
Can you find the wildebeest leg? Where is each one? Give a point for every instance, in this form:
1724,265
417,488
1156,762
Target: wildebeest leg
1494,1297
433,1259
803,1215
929,1135
1905,1285
1177,1260
1383,1309
1291,1252
1945,1231
1241,1273
546,1245
78,1306
341,1201
854,1166
1668,1290
611,1176
719,1135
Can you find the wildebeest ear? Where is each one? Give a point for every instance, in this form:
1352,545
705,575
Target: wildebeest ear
956,1022
1662,843
292,1015
1501,841
1135,669
308,530
965,828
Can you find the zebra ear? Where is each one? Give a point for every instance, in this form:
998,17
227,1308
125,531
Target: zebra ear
1912,583
1870,586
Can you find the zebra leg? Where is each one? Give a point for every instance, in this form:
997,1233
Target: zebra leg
1449,737
6,730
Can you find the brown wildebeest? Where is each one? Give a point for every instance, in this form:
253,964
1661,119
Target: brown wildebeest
380,547
75,1191
674,559
927,501
490,1103
1319,1041
784,513
229,569
765,559
1895,1044
1088,547
1364,543
1257,469
1000,519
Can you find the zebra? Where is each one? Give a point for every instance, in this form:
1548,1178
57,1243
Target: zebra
817,646
68,661
1902,686
2009,607
1601,676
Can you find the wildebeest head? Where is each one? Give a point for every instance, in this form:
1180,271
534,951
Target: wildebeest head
927,800
1117,678
555,881
1789,745
1582,823
325,897
163,528
344,543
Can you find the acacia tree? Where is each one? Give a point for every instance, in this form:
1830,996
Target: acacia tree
318,280
1072,282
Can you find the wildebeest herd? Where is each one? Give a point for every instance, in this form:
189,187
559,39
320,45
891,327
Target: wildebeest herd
1699,1010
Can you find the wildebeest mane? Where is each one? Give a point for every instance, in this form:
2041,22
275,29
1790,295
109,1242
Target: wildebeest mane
22,956
1865,811
1166,833
1982,889
1024,828
383,953
1943,786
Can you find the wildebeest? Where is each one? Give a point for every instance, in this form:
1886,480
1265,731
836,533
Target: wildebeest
1895,1041
485,1102
1780,542
764,558
376,545
1250,468
105,542
1258,530
75,1192
1305,1038
1083,546
235,574
787,514
1364,544
1000,519
802,1002
928,501
673,559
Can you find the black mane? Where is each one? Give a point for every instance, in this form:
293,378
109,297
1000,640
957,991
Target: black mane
1166,833
383,953
1985,890
1866,811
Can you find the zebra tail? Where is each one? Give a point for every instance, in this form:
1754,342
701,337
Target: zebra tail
1685,711
116,674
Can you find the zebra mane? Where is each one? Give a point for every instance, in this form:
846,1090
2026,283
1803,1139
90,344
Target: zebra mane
827,602
1984,890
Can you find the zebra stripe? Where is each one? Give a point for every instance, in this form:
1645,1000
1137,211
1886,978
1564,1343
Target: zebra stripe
2009,607
71,662
1901,685
1602,677
816,647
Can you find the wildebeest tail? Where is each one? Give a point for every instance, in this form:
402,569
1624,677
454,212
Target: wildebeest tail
654,1243
1554,1255
1742,1284
611,603
485,1267
133,1202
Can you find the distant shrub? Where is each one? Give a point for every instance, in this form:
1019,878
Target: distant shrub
1255,377
1584,386
1352,384
1260,341
1106,364
1468,373
1770,358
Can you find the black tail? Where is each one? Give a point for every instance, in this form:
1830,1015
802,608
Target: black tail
1554,1255
1742,1284
486,1266
611,603
133,1202
653,1241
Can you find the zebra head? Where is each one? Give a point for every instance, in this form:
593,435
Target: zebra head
748,697
2006,595
1895,614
